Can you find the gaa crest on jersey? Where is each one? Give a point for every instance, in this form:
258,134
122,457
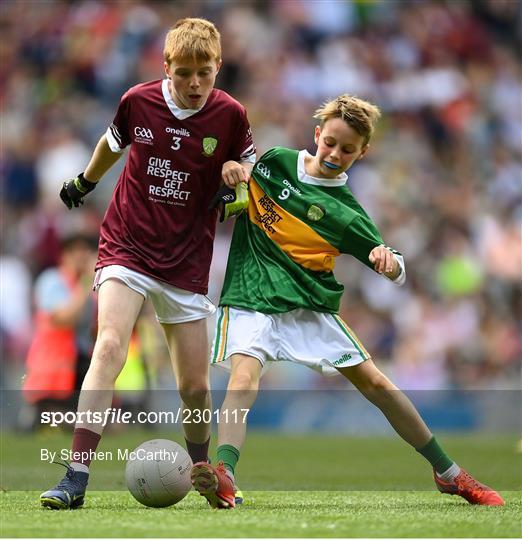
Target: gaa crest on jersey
263,169
209,145
143,135
315,213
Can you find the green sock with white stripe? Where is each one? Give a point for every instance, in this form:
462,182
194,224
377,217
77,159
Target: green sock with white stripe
436,456
229,455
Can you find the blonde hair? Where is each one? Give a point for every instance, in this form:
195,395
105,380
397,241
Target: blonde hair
194,40
357,113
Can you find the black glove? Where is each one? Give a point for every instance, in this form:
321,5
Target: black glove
74,190
231,201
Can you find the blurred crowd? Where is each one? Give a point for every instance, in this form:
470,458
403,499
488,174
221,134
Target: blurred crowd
443,177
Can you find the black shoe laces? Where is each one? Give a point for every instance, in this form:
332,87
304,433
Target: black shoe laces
71,479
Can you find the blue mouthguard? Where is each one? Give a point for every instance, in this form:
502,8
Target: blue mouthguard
330,165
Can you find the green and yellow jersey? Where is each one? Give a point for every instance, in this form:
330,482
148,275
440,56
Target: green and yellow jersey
284,247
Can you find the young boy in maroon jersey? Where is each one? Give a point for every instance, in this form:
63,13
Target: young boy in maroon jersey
185,138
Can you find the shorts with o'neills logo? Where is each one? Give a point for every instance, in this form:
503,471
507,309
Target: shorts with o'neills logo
321,341
171,304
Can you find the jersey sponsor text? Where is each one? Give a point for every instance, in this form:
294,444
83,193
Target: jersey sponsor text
174,180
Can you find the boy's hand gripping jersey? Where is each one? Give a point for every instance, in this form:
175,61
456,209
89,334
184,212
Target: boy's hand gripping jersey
230,201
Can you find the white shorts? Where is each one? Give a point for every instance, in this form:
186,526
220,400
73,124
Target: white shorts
321,341
172,305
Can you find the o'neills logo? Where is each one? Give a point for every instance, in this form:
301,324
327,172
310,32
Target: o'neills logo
344,358
182,132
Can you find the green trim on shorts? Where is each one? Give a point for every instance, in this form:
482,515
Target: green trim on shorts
337,319
226,323
219,339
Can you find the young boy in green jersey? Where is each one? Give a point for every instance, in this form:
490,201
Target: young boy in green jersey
280,298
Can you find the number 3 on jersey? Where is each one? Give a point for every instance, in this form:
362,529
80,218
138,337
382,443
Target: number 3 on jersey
176,143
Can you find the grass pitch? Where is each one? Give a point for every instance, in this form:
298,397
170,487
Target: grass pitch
266,514
340,475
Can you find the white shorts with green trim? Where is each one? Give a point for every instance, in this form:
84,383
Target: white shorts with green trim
321,341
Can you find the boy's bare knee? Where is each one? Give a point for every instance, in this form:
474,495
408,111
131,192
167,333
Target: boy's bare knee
378,389
194,392
379,382
109,346
243,381
109,353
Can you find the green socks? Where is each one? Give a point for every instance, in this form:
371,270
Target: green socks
436,456
229,455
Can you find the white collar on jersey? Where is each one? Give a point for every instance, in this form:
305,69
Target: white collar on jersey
339,180
180,114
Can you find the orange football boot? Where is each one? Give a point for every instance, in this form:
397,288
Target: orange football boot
214,484
467,487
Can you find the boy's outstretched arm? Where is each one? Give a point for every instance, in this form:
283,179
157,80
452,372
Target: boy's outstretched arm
103,158
74,190
387,263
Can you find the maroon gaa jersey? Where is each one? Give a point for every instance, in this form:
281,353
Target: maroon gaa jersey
158,222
